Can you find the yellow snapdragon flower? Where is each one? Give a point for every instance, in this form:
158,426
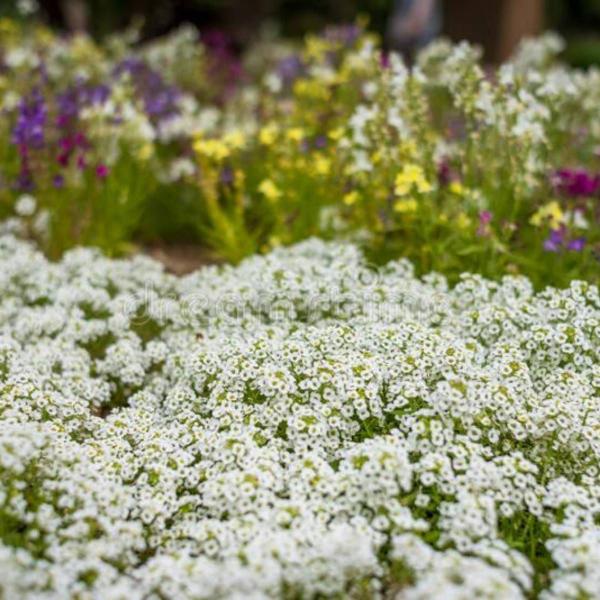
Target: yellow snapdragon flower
409,148
215,149
311,89
146,151
550,213
295,134
463,221
235,139
269,190
406,205
457,188
336,134
316,47
322,165
411,177
267,135
350,198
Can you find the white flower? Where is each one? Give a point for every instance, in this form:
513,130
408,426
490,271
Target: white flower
25,205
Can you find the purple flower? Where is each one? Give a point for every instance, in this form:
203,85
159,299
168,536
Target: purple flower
159,98
575,182
24,181
75,98
577,244
444,172
485,216
290,68
102,171
320,142
224,67
58,181
558,240
226,176
555,240
31,120
344,34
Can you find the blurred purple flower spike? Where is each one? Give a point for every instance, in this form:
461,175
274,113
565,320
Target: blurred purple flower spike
31,120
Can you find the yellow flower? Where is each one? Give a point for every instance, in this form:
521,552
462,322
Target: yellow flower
550,213
410,177
239,176
295,134
311,89
409,147
406,205
336,134
146,151
322,165
215,149
268,135
350,198
269,190
463,221
376,157
235,139
316,47
456,187
83,49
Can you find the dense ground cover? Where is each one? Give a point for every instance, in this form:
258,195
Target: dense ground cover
299,426
449,164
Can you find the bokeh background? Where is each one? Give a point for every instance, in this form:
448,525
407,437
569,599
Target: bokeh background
495,24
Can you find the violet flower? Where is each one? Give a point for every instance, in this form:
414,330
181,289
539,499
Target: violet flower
577,244
290,68
555,240
320,142
575,182
31,121
75,98
160,99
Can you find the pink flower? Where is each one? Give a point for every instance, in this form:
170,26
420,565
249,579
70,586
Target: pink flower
485,218
102,171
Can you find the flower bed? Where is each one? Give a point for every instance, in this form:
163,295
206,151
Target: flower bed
299,426
452,165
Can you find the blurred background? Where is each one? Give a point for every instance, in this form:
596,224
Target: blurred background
495,24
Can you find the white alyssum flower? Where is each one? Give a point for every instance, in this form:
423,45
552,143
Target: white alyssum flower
25,205
297,425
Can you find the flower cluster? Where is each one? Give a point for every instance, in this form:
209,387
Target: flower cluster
443,163
95,129
299,426
449,164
